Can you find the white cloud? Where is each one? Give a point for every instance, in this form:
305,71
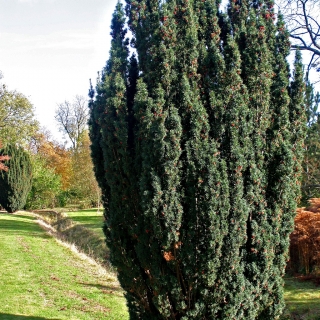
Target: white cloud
35,1
61,41
28,1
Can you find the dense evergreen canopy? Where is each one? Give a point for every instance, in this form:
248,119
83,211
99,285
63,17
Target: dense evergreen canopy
197,146
15,183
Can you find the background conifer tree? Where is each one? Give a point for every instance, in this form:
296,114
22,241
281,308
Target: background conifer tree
15,183
311,174
197,146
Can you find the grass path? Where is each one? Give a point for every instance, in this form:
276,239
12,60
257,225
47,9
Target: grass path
42,279
89,218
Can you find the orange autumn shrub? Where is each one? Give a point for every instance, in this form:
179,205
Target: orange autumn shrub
3,167
314,205
305,239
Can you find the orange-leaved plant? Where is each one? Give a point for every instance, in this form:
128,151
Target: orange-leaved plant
3,167
305,239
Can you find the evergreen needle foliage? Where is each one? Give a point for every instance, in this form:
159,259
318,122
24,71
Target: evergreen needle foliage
197,147
15,183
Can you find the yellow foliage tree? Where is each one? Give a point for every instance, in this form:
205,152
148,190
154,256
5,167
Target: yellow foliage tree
83,182
57,156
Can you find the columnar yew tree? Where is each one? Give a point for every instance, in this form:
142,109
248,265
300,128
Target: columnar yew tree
15,183
197,148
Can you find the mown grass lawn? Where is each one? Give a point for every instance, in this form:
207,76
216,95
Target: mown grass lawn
42,279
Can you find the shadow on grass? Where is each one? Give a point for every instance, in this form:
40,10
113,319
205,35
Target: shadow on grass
20,225
102,287
303,314
6,316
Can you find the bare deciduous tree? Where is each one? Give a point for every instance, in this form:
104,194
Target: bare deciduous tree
72,118
303,22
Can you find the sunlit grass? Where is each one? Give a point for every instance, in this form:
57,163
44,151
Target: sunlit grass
302,298
89,218
41,279
80,230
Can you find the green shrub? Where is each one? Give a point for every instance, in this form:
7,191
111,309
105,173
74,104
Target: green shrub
46,186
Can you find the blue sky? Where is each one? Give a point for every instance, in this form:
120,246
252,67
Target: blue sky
50,48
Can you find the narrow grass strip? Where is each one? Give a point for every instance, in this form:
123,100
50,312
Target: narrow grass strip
89,218
85,239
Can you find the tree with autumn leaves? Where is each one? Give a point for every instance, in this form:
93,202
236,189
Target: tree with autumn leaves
72,119
305,240
197,144
3,158
61,175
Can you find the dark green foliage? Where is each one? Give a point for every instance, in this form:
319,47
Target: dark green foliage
198,151
311,172
15,183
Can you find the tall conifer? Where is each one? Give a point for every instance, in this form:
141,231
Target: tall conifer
197,146
15,182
